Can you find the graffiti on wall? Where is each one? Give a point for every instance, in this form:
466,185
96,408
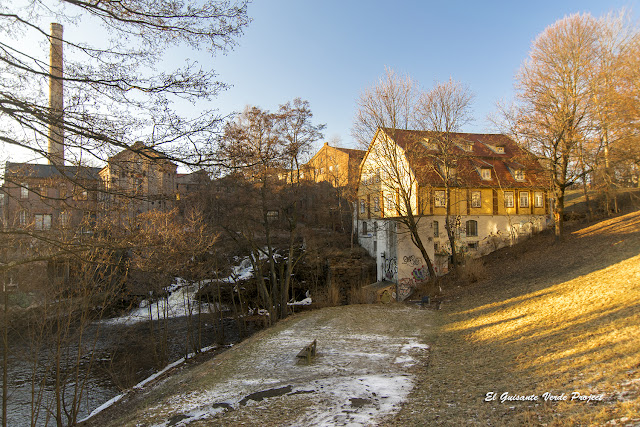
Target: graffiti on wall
390,268
420,274
405,288
411,260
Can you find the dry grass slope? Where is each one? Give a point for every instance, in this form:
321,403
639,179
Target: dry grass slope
553,317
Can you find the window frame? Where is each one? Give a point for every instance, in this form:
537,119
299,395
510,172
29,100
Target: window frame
42,222
24,190
23,219
436,229
440,198
520,195
538,196
509,196
471,228
476,203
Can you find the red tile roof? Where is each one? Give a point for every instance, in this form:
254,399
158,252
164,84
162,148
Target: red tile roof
483,154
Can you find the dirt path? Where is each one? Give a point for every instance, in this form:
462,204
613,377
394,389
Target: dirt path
364,369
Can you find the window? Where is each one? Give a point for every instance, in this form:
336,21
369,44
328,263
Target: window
539,199
363,206
436,229
80,194
524,199
518,175
42,221
22,218
64,219
472,228
364,227
448,172
376,204
486,174
439,199
476,199
389,204
473,246
500,150
24,191
272,215
378,175
508,199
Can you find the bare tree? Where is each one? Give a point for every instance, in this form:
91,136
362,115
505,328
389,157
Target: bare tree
265,150
395,104
555,100
443,111
109,94
390,103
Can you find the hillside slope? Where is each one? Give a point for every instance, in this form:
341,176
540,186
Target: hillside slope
558,318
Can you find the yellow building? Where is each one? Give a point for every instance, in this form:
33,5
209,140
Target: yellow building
337,166
497,193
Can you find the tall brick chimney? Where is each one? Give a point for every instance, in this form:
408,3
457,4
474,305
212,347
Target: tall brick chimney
56,128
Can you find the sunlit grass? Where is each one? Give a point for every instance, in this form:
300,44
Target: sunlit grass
562,319
589,324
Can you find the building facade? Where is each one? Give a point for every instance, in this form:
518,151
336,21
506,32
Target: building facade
337,166
48,197
137,180
492,191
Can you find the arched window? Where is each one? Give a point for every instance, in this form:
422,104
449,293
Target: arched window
472,228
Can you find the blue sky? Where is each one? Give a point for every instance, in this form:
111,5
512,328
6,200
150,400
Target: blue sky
327,52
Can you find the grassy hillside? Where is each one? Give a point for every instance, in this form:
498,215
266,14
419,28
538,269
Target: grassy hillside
558,318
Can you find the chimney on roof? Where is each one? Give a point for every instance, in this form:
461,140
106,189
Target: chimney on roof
56,118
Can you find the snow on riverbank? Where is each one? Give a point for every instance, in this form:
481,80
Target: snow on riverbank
181,299
180,302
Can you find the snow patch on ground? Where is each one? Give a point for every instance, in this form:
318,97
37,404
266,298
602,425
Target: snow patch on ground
355,378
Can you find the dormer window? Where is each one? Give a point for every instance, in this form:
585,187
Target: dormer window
429,145
465,146
486,174
500,150
518,175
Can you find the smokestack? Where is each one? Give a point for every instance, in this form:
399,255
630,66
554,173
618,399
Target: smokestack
56,132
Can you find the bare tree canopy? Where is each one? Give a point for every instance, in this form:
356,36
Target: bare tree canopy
119,88
390,103
569,106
